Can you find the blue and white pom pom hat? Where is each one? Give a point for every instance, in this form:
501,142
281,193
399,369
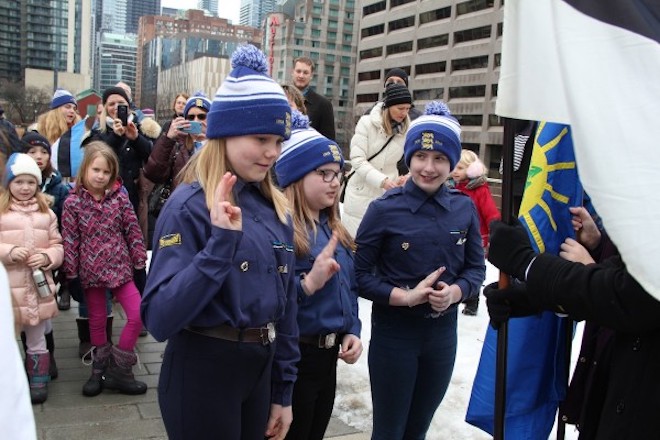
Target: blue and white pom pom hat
61,97
305,151
249,101
435,130
200,100
21,163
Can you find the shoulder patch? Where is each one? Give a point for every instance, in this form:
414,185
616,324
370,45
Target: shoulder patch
169,240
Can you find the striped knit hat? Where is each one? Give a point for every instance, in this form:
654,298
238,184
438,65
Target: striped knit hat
199,100
305,151
396,94
249,101
61,97
435,130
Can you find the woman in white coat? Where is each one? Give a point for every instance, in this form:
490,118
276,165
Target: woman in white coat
376,147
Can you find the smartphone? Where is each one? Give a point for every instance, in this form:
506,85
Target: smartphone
122,114
195,128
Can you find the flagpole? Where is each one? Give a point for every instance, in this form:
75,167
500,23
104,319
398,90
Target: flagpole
503,330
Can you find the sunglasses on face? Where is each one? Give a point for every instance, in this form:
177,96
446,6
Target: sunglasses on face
200,117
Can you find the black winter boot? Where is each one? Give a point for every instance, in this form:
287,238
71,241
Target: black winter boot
37,369
119,374
50,345
64,302
100,357
83,336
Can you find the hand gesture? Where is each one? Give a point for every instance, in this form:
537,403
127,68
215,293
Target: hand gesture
279,421
223,214
174,131
351,349
325,266
443,297
571,250
37,260
586,230
131,131
420,294
119,129
19,254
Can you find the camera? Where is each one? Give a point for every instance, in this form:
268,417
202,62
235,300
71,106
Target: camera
122,114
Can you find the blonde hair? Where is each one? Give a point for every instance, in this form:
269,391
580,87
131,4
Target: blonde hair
52,124
302,220
44,201
94,150
468,157
387,122
294,95
209,164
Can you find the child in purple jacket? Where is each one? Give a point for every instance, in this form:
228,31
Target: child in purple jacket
103,245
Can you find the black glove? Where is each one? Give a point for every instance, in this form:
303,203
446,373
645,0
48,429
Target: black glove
140,279
510,302
510,249
75,289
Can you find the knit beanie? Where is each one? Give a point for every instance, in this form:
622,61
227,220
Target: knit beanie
397,94
20,163
114,91
148,113
200,100
397,72
305,151
61,97
435,130
34,139
249,101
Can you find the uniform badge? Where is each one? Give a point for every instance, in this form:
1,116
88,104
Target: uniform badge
245,266
169,240
283,269
405,245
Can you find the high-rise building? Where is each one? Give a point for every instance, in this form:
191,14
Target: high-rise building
45,35
209,5
185,55
117,60
253,12
136,9
451,51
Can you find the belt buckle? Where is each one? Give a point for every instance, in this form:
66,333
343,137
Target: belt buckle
269,334
329,340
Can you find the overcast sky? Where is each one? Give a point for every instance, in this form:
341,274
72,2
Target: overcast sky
227,8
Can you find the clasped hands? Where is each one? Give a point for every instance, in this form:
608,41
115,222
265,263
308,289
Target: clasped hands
22,254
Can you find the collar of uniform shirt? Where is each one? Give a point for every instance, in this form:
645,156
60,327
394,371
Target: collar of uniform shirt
415,197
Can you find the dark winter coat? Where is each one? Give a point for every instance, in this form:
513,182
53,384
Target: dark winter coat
167,158
53,186
321,114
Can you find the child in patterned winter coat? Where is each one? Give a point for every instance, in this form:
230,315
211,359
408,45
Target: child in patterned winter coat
30,240
103,245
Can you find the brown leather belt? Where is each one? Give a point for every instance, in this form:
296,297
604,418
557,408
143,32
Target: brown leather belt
264,335
320,341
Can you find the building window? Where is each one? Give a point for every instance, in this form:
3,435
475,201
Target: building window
395,3
332,24
493,90
345,71
367,97
499,29
494,121
348,38
317,9
434,41
470,120
369,76
371,53
472,34
329,58
438,66
473,6
469,63
372,9
330,46
436,15
346,60
316,33
393,49
467,92
332,36
497,59
428,94
401,23
316,21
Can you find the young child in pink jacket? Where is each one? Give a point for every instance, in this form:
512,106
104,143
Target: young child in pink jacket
29,242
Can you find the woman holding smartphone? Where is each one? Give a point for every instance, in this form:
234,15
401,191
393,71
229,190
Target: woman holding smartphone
173,149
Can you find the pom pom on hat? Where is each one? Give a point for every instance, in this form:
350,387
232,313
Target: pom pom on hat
115,91
199,100
397,94
249,101
61,97
20,163
305,151
436,130
34,139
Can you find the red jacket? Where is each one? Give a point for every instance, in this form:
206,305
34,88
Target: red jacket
102,239
479,192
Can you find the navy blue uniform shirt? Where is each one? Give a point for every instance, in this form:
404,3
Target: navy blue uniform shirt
406,234
334,307
203,275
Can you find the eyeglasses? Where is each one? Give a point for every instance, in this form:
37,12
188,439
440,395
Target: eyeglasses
201,117
329,175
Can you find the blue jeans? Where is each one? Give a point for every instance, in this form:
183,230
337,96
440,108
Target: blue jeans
411,360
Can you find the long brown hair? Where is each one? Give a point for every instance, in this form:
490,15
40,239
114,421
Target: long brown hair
207,167
93,150
303,220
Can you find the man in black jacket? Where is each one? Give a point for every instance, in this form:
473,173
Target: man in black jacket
319,109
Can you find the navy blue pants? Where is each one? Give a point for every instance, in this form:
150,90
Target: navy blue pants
411,360
211,388
314,392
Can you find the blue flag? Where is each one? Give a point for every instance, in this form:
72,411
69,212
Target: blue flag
66,152
536,376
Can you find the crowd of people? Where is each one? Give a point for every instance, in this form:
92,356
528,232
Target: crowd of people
255,272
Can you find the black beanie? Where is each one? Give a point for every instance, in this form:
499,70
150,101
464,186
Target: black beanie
397,94
34,139
115,91
397,72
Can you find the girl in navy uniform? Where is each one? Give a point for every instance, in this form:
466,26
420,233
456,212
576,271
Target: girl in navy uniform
221,287
310,170
419,254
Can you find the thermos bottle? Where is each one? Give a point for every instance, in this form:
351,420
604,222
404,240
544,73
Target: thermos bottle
41,283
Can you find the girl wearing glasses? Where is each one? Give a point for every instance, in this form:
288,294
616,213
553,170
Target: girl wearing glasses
309,170
174,149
